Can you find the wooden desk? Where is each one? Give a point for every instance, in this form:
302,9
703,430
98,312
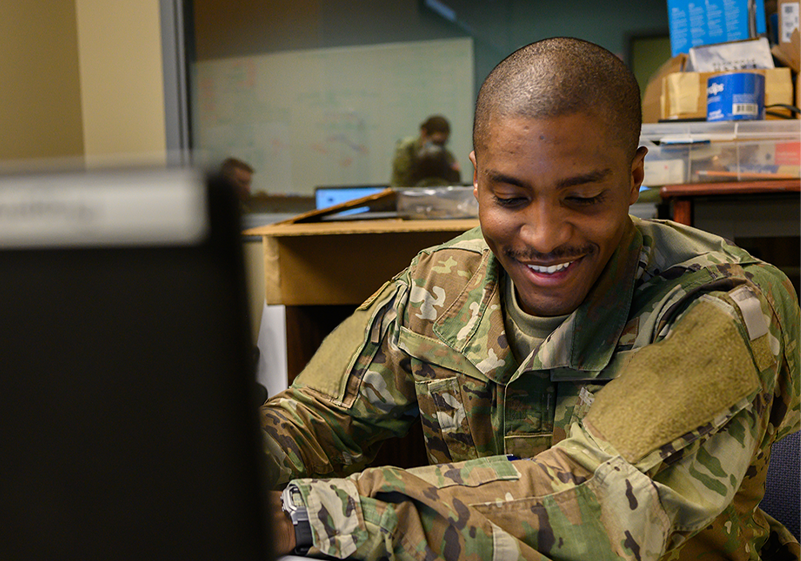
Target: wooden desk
762,217
321,271
327,263
682,195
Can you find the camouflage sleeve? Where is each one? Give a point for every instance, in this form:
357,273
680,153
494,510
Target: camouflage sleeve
402,164
354,393
660,455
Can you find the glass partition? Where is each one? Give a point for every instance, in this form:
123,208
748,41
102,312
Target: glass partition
318,93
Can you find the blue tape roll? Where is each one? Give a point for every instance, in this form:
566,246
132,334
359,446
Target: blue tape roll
738,96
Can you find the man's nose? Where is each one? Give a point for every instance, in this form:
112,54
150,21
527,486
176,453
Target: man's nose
546,228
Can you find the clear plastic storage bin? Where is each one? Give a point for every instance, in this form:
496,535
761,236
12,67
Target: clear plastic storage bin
703,152
437,202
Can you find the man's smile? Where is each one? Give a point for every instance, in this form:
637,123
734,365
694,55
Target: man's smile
549,270
549,276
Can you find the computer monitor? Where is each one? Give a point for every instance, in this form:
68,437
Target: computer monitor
129,422
330,195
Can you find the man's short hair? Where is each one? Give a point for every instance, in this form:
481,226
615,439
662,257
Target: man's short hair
436,124
432,162
558,77
230,164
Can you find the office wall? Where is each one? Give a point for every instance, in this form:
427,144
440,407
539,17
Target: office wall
122,86
40,101
245,107
226,29
81,78
334,116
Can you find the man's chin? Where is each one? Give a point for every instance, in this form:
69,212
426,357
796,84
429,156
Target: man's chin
549,306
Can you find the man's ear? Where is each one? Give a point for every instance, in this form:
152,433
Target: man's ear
475,173
637,173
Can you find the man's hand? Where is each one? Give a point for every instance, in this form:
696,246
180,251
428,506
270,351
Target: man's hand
282,530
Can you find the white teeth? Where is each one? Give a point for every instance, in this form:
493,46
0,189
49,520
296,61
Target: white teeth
549,270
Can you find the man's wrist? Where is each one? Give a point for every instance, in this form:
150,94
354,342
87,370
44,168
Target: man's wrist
295,509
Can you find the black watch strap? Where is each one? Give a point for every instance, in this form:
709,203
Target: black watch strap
303,537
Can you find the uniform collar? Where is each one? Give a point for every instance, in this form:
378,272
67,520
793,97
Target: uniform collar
584,344
579,348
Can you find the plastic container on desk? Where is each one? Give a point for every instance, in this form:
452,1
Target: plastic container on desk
702,152
436,202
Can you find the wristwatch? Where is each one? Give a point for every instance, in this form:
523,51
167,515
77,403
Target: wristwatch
292,504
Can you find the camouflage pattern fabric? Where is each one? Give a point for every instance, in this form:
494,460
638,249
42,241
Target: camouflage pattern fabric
639,429
403,162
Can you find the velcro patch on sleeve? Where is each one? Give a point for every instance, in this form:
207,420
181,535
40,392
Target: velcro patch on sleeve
756,324
329,369
670,388
751,310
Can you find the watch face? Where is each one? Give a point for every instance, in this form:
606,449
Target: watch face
292,504
292,500
296,497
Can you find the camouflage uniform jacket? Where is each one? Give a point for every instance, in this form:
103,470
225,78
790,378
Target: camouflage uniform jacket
404,160
639,429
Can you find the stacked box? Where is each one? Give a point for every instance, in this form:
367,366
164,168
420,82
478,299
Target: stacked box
705,22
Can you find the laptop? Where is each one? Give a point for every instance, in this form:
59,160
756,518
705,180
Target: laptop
330,195
128,412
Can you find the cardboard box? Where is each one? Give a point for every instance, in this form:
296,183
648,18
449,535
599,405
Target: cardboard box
684,93
343,262
694,23
789,54
788,11
651,101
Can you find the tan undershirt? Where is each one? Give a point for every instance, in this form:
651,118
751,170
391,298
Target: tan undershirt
524,331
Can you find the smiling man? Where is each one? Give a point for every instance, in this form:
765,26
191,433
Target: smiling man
589,385
553,201
557,167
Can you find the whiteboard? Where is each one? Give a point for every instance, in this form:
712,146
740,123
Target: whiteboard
331,116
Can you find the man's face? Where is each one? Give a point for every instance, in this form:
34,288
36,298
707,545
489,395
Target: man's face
440,138
553,198
242,179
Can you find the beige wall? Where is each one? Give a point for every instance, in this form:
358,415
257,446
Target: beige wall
84,78
81,78
40,101
122,88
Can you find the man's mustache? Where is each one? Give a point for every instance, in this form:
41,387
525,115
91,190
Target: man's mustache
557,254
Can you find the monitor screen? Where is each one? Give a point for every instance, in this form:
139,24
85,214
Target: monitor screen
325,197
128,409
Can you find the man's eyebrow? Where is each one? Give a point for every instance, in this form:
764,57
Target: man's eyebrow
591,177
581,179
499,177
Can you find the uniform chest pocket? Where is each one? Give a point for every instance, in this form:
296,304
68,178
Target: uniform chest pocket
574,402
446,426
